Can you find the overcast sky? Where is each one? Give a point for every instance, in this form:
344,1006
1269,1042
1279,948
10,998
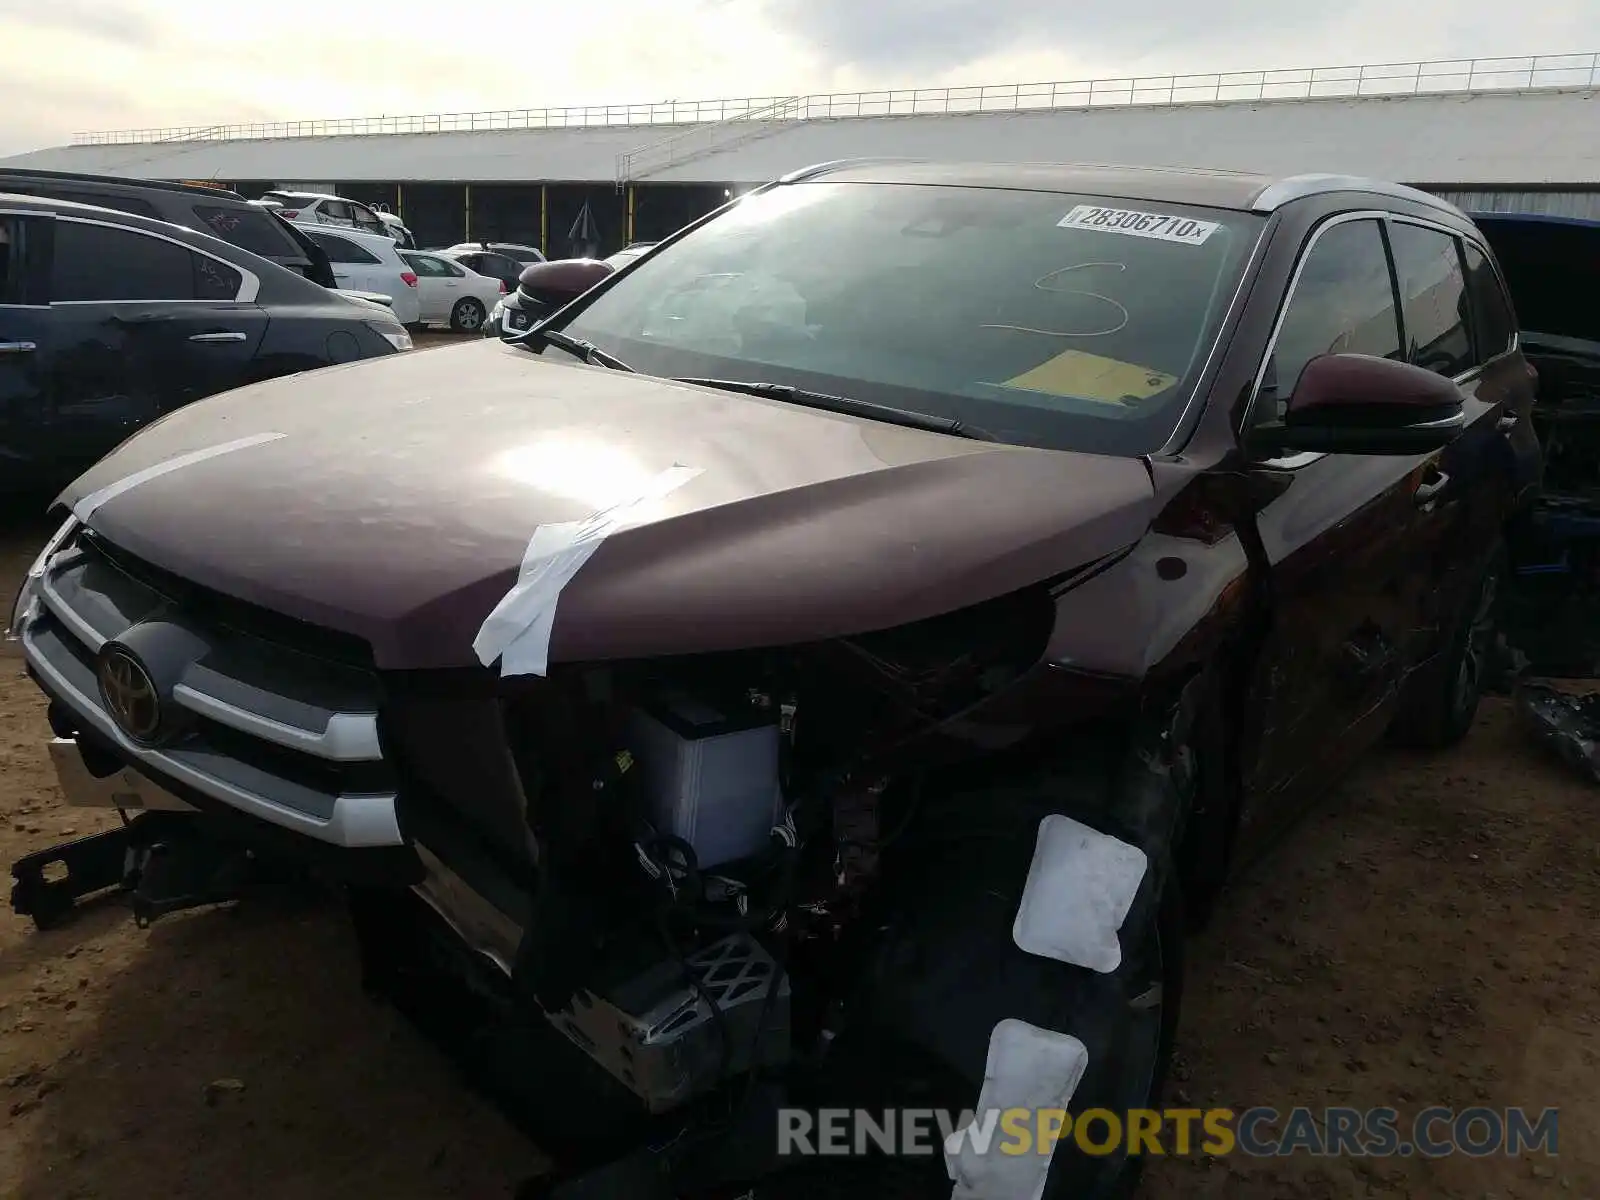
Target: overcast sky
70,65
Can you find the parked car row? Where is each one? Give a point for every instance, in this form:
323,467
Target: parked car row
121,301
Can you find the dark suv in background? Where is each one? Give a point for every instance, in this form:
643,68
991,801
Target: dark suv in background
110,320
217,211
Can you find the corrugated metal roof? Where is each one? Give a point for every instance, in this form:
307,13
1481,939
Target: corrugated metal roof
1546,137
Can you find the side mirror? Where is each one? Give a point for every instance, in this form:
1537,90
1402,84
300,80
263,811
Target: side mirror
554,284
1358,404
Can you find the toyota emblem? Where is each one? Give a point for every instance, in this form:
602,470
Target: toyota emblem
130,694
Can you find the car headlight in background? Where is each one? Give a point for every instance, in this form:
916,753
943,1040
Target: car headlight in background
392,332
28,597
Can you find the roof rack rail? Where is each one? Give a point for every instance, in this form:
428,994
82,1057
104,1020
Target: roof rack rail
1296,187
191,187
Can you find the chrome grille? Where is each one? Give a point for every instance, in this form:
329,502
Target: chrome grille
270,729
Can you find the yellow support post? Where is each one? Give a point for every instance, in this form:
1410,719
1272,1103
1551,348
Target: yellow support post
467,192
400,201
544,218
629,239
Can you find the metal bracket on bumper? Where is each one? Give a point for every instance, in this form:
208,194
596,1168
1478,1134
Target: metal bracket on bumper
163,861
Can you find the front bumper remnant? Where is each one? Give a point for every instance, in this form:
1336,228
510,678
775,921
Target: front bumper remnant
164,859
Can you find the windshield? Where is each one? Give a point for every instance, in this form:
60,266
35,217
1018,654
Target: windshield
1065,321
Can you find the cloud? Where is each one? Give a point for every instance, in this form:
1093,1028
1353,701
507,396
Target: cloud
929,40
125,23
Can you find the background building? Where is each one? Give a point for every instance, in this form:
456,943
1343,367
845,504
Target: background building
1503,134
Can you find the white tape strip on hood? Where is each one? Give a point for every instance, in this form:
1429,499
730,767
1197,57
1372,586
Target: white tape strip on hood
517,632
1029,1068
86,506
1080,887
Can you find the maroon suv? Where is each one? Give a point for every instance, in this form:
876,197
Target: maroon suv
830,661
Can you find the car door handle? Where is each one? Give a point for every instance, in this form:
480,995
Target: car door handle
1507,422
220,336
1427,493
18,347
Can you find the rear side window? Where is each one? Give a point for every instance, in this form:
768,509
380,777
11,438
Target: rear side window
1433,292
342,250
98,262
247,228
214,280
1343,303
365,218
127,204
103,263
334,210
427,265
1495,322
25,259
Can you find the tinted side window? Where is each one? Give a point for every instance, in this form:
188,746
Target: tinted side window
365,218
1495,321
98,262
334,210
127,204
341,250
1343,303
246,228
25,259
424,264
1433,291
214,280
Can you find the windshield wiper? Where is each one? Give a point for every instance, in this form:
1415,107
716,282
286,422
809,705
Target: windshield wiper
847,406
578,348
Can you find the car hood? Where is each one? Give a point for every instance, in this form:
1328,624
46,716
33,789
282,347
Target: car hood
394,500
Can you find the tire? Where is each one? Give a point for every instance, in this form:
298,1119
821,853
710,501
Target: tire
467,316
1438,709
949,971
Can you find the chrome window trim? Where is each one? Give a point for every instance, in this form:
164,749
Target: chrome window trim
249,282
1365,214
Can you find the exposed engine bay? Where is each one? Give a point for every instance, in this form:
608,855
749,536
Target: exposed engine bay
703,835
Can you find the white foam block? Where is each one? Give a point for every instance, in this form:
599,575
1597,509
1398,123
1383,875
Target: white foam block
1029,1068
1080,887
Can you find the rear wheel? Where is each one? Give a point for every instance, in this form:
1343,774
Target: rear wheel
467,316
1441,705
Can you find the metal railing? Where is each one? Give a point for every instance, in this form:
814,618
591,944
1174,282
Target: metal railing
1296,83
698,140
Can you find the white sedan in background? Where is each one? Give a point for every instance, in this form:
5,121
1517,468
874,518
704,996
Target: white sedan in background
451,293
368,262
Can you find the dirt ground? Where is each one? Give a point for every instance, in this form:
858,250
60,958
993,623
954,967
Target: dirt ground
1432,936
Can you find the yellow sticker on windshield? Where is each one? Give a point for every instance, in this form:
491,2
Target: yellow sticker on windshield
1091,377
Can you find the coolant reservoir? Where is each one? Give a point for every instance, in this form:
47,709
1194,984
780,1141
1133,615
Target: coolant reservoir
710,775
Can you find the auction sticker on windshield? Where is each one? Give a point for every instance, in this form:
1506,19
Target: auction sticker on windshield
1164,226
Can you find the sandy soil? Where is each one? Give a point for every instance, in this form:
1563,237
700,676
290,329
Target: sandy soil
1432,936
